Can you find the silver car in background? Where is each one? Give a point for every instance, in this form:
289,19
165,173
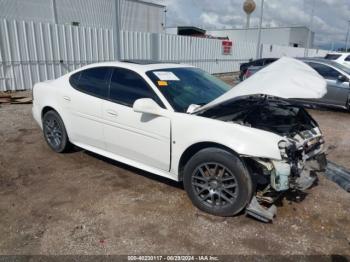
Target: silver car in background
337,77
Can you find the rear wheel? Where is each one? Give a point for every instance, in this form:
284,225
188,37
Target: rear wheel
217,182
55,132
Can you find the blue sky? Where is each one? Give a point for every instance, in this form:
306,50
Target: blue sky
330,20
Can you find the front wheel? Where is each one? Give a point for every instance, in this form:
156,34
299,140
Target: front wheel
55,132
217,182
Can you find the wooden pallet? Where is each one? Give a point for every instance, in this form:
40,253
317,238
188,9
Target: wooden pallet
13,99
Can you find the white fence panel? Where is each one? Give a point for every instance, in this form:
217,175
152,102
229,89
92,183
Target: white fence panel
317,53
135,45
203,53
279,51
33,52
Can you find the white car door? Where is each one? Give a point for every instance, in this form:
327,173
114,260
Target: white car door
143,138
83,105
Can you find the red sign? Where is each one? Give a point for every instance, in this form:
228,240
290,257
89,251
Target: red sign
227,47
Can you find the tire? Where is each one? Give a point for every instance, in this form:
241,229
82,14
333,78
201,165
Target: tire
55,132
225,190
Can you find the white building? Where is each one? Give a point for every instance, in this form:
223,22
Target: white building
286,36
139,16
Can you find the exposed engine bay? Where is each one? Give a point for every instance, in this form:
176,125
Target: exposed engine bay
302,146
263,112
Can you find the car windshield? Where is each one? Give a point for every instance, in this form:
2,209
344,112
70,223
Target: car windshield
332,56
183,87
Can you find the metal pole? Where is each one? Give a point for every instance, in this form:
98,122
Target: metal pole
347,38
54,11
259,31
309,35
116,29
248,21
165,21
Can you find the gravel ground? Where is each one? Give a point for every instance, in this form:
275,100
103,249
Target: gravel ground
80,203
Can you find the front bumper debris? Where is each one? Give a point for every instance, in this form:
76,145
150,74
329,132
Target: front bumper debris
260,212
339,175
297,171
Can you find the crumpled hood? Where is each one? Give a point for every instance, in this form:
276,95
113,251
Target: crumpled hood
285,78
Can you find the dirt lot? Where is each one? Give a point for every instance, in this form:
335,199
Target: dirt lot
79,203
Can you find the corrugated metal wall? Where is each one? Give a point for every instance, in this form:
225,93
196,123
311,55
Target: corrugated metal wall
33,10
139,16
90,13
135,15
33,52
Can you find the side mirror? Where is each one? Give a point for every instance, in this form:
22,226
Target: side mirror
147,106
342,79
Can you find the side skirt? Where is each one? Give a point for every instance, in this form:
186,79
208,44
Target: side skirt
129,162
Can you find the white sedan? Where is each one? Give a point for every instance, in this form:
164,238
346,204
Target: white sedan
233,148
340,58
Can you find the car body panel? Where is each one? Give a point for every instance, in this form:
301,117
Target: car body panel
121,124
338,92
285,78
240,139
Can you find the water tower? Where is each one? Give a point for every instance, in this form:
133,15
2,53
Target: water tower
249,7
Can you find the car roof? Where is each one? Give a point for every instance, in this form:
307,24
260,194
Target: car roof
140,66
318,59
341,54
144,61
327,62
338,53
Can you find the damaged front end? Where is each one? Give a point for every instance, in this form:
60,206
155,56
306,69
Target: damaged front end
302,157
301,147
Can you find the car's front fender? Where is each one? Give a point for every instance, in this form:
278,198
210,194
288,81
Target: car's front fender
188,130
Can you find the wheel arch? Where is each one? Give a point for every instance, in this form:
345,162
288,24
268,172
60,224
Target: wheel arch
195,148
46,109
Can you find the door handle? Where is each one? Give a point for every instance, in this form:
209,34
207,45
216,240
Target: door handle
67,98
112,112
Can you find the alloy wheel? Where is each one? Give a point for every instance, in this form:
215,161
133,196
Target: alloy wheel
215,185
53,132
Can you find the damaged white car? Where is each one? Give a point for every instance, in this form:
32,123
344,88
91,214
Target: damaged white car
233,148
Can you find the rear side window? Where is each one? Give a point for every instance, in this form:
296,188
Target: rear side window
347,59
127,86
332,56
325,71
93,81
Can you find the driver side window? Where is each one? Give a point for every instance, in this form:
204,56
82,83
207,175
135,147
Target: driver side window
127,86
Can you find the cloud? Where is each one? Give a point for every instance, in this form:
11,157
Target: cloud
330,16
